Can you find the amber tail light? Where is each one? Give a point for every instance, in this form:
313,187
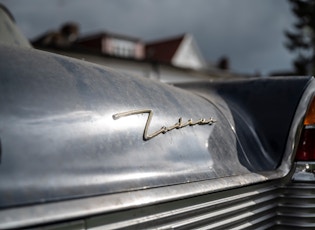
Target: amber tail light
306,148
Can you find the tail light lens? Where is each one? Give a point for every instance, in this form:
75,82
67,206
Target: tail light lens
306,148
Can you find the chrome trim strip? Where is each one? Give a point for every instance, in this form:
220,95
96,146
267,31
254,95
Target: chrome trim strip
296,208
309,126
295,131
78,208
304,171
224,210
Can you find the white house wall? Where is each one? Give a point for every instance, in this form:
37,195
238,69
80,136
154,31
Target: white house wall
188,55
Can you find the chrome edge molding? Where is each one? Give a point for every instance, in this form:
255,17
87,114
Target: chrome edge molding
80,208
304,171
295,132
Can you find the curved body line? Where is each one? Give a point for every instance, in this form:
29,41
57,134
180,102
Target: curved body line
180,124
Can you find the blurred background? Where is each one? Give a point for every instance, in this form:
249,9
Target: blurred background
239,37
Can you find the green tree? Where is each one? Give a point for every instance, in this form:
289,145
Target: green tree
301,40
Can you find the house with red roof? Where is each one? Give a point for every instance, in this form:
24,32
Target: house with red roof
181,51
171,60
113,44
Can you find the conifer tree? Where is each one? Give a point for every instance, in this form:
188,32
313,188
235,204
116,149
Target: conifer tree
301,40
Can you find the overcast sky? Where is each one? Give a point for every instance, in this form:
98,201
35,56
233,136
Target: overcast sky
249,32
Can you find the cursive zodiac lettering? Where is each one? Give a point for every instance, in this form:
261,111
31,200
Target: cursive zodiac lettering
180,124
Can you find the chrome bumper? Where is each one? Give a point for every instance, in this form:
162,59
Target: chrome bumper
296,208
276,204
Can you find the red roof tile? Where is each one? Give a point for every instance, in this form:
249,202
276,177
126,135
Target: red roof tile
163,50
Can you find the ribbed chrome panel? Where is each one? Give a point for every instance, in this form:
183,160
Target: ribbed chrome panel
297,206
235,209
263,206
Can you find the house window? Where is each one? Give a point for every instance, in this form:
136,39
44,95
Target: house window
123,48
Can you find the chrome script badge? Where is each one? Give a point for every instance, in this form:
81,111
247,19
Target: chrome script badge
180,124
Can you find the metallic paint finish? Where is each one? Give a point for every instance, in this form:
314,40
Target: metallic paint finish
59,140
257,107
61,146
10,33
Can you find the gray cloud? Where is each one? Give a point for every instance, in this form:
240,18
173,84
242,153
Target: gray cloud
249,32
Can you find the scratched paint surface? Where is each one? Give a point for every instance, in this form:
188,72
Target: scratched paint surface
59,138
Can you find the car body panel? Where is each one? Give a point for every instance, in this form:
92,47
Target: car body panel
87,147
61,115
